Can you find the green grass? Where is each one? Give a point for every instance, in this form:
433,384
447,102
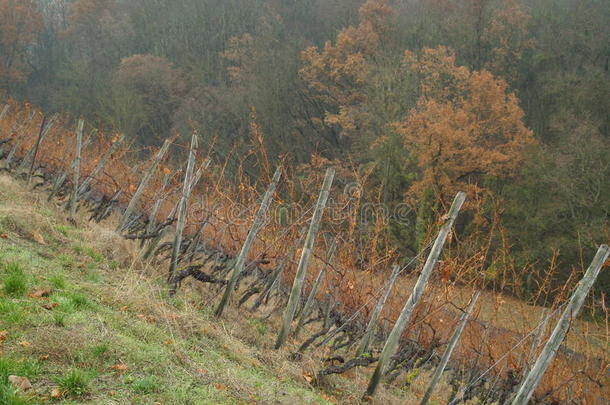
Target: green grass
145,385
74,345
75,382
15,282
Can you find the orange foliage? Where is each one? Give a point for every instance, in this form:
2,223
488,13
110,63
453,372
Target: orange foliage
466,125
338,73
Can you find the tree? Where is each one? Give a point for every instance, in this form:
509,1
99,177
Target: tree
337,75
20,24
466,126
158,86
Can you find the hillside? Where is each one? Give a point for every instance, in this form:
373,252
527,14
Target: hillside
83,319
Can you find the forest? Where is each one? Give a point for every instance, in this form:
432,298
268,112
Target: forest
413,100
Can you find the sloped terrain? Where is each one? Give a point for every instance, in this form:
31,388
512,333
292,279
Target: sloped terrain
85,322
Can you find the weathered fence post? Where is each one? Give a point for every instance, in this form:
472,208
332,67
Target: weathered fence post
24,129
536,341
243,253
391,343
4,111
182,206
136,196
314,290
45,128
370,328
79,144
36,146
100,166
452,343
297,286
561,329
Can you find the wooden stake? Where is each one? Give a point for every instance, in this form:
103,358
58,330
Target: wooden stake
363,347
450,347
297,286
4,111
136,196
243,253
24,129
561,329
391,343
314,290
79,145
36,146
100,166
182,206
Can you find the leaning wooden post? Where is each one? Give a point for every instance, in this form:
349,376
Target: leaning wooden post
182,206
36,146
314,291
100,166
561,329
79,145
297,285
4,111
243,253
391,343
536,341
452,343
363,347
136,196
24,129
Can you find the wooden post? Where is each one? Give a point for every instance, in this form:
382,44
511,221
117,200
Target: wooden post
182,205
152,220
391,344
4,111
314,290
561,329
297,285
363,347
100,166
452,343
36,146
45,127
243,253
24,129
79,144
136,196
536,341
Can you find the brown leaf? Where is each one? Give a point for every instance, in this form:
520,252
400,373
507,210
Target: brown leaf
220,387
38,238
40,292
4,236
55,393
168,342
3,336
21,383
307,377
24,344
50,305
44,357
120,368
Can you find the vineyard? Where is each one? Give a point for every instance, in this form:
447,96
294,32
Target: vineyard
286,249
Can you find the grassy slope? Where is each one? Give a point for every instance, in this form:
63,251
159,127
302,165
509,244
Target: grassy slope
112,312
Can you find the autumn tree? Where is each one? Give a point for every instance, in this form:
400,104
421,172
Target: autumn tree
337,75
20,24
157,87
465,128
